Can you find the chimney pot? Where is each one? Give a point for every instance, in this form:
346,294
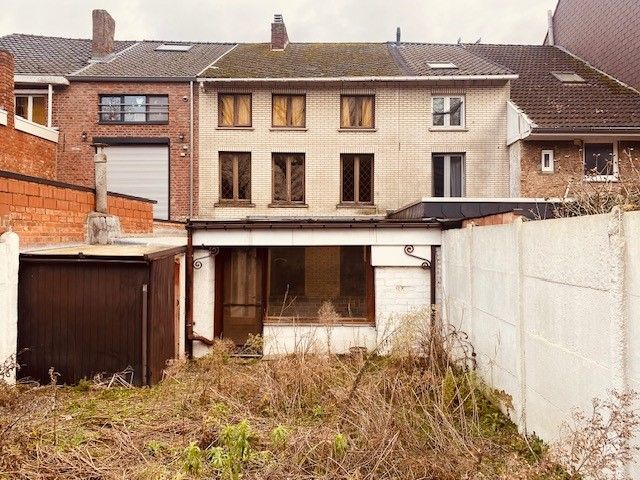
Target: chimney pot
104,27
279,37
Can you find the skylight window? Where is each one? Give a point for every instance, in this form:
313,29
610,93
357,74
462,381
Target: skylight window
174,47
441,65
568,77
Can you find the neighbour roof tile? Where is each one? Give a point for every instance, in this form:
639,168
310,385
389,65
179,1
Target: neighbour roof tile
599,103
40,55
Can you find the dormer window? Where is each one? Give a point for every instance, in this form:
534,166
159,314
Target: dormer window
441,65
568,77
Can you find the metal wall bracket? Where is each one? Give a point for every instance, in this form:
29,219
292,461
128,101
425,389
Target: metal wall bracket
408,249
213,251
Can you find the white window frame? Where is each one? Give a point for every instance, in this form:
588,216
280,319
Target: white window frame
551,167
447,116
30,95
447,174
602,178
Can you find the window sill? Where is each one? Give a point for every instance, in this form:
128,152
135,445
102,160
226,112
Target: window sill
602,178
357,129
288,205
358,206
547,172
288,129
308,322
448,129
234,204
248,129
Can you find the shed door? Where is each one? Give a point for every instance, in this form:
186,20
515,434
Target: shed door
140,170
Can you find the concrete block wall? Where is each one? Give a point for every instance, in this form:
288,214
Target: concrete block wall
9,253
551,308
402,144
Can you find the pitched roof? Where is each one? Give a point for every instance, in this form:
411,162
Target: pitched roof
306,60
39,55
142,60
600,103
416,57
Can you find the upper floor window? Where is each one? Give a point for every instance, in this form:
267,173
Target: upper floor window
357,179
235,177
600,162
134,109
357,111
288,178
448,111
448,175
234,110
32,108
288,111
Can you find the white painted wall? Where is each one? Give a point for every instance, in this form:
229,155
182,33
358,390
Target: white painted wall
285,339
203,301
9,256
552,309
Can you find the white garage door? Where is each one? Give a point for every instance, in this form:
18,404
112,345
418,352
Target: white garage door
140,170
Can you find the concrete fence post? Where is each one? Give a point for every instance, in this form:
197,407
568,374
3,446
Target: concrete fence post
617,299
521,413
100,161
9,262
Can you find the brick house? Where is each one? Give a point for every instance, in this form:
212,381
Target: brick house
136,97
569,124
604,35
305,149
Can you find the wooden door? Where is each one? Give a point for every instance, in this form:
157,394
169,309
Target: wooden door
242,295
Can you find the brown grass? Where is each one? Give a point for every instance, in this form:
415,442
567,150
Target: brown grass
414,414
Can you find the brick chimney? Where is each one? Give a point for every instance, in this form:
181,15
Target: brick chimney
104,29
6,84
279,37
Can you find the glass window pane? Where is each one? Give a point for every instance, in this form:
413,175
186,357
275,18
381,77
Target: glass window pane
298,112
158,109
365,195
110,109
366,112
39,111
438,176
598,159
455,109
22,107
134,108
348,112
243,111
438,109
279,178
456,174
297,178
225,110
244,176
279,111
226,176
348,178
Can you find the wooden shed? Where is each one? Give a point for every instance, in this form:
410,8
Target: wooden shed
92,309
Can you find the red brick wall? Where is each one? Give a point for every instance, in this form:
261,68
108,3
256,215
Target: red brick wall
42,212
568,166
604,33
21,152
76,111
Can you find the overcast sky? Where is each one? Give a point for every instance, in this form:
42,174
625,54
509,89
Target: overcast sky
495,21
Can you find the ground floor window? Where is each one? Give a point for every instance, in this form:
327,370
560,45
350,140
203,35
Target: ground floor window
448,175
320,285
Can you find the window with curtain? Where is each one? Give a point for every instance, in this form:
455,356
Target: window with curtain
357,179
288,111
234,109
448,111
288,178
235,177
600,161
320,285
448,175
357,111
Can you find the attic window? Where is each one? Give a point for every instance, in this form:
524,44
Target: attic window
173,47
568,77
441,65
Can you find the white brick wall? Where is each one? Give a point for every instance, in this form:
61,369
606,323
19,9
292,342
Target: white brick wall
402,145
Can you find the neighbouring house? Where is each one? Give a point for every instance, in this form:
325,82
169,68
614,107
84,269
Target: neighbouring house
568,123
603,34
305,148
136,97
